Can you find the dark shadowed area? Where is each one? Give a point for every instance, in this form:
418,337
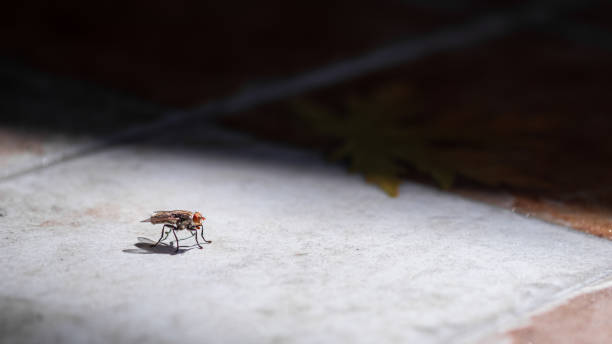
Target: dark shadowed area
472,96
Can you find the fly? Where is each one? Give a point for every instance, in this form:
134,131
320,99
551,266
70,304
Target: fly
178,220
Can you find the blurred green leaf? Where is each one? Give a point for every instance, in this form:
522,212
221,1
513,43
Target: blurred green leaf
375,135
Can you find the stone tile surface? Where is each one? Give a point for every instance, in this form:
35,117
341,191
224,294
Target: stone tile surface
301,253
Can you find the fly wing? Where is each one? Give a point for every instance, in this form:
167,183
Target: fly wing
162,217
169,216
182,214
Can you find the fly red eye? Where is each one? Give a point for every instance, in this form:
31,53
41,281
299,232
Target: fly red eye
197,217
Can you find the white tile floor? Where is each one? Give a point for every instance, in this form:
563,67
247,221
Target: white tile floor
302,253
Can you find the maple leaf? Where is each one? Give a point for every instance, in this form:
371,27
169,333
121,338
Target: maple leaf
374,136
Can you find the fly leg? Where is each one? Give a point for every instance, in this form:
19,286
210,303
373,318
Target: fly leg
196,236
202,233
162,234
168,232
175,237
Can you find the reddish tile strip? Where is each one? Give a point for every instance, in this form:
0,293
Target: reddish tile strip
584,319
596,220
590,218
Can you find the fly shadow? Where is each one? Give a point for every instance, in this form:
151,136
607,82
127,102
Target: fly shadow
146,246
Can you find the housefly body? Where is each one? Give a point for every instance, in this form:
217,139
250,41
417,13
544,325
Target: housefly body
178,220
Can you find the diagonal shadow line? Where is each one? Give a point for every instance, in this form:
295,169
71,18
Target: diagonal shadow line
483,28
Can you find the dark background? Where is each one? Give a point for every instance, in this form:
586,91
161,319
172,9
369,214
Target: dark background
184,52
527,111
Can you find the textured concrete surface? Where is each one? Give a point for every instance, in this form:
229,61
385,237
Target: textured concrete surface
301,253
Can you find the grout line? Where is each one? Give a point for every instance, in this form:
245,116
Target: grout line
481,29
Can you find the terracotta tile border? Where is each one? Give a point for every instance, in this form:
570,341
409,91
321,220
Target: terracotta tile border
595,220
582,319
